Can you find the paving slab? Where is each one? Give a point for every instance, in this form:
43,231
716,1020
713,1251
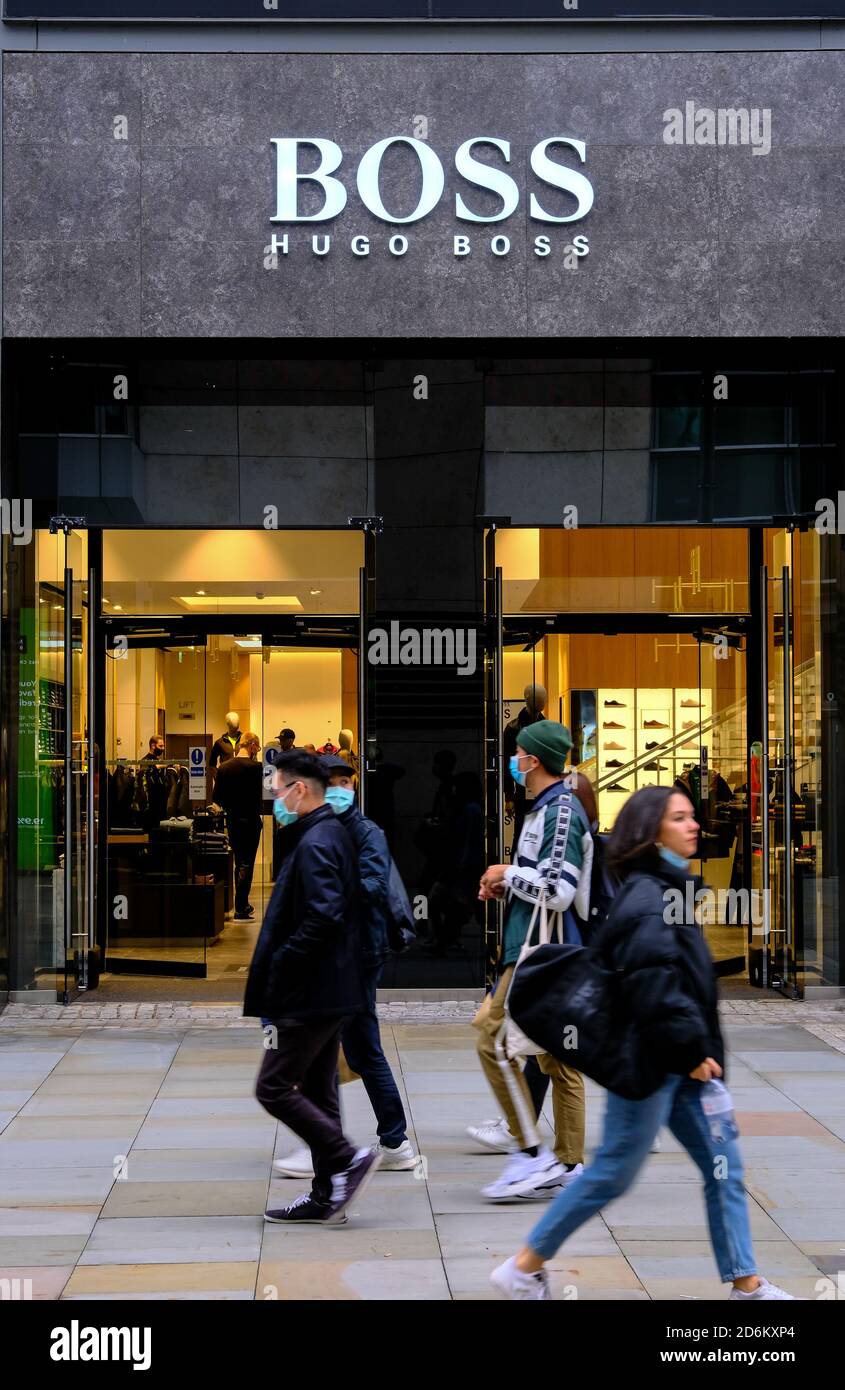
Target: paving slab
136,1163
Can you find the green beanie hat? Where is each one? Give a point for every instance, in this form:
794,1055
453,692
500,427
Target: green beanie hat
548,741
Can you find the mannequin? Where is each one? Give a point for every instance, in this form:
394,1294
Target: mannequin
345,739
535,698
227,745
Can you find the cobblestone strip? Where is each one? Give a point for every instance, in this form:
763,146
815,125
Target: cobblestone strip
825,1020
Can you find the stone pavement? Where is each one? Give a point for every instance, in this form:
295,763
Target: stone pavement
135,1162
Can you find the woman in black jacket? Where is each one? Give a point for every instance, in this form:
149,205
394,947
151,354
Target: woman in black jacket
669,999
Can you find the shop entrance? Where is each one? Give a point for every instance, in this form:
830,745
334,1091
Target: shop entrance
179,705
688,658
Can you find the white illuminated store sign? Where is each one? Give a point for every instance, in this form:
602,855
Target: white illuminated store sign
548,171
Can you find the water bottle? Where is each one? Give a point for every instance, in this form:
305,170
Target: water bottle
718,1106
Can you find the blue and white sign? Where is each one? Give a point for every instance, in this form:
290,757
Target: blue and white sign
197,774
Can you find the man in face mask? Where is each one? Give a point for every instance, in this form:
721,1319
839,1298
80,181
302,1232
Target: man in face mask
361,1037
305,980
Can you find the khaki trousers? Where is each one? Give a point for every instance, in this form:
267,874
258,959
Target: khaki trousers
567,1084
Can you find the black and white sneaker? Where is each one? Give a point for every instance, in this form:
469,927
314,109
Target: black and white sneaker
305,1211
352,1182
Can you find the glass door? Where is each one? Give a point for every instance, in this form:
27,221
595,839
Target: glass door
494,762
779,812
719,779
168,867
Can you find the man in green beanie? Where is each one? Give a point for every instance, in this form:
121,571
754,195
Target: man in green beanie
552,863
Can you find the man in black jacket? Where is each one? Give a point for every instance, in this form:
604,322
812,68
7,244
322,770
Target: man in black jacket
361,1035
237,789
306,979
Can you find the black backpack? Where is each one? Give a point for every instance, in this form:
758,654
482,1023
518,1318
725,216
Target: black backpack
400,917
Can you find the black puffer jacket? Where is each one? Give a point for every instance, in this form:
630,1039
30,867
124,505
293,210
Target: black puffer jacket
668,983
307,958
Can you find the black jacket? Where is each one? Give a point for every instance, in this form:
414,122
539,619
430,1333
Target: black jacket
222,749
238,787
307,957
668,984
373,858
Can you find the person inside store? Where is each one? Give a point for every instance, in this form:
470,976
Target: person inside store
433,835
453,899
535,698
667,1003
305,981
238,790
346,751
226,746
381,784
287,740
156,753
550,868
361,1037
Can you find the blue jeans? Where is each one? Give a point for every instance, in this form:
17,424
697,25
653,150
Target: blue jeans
362,1045
630,1127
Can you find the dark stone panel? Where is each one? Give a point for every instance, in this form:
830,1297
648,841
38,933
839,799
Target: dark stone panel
789,194
808,300
71,98
630,288
72,289
236,101
682,238
304,490
105,179
190,290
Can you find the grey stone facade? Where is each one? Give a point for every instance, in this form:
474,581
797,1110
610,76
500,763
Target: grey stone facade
162,234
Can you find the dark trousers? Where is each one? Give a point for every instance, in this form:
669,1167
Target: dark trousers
244,837
362,1046
297,1084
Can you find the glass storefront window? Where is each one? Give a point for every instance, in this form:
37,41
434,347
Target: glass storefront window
196,573
632,570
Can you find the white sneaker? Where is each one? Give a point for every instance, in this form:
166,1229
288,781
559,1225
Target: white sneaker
656,1146
296,1165
525,1176
397,1159
763,1290
495,1135
556,1184
510,1282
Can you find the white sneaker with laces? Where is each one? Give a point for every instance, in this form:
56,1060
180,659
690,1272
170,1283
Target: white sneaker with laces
398,1159
296,1165
524,1176
511,1283
494,1135
763,1290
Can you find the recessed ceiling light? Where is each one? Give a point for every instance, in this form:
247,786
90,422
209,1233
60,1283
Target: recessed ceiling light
201,592
314,592
117,608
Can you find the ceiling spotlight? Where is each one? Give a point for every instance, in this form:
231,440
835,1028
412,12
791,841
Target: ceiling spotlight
314,592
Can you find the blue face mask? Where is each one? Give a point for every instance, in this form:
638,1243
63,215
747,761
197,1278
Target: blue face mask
282,814
513,769
340,799
672,858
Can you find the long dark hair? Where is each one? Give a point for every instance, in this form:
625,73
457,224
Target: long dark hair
632,841
582,787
